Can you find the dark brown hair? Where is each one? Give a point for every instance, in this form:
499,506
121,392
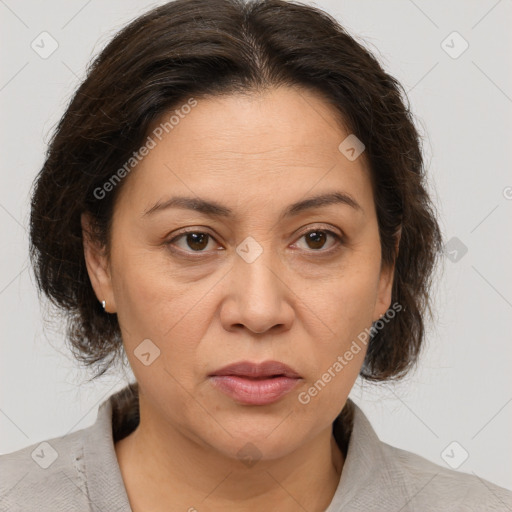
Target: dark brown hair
201,48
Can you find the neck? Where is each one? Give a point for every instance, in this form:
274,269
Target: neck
165,470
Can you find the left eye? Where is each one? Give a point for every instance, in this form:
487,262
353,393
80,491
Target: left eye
198,240
316,238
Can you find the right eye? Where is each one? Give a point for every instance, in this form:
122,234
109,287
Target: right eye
192,239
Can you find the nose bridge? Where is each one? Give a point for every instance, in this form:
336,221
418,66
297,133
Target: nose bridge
259,292
256,266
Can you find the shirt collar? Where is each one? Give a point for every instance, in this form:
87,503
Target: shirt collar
103,474
367,471
370,479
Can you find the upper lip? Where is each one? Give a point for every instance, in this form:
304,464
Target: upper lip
255,370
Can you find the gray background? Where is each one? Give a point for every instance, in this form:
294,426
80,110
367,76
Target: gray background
462,389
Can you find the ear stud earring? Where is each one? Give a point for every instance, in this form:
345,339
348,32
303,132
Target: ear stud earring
103,303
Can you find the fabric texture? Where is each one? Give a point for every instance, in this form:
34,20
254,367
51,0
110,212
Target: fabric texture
79,471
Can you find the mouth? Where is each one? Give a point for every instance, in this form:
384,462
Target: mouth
255,384
250,370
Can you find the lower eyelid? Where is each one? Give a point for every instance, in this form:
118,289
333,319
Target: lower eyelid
337,237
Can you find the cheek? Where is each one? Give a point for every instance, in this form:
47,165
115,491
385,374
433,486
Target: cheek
337,355
150,298
325,396
345,303
345,307
154,304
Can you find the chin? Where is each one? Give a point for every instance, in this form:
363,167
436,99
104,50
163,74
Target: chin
252,439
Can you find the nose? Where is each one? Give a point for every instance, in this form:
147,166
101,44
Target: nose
258,298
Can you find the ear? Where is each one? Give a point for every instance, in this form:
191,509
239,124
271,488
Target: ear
98,265
383,302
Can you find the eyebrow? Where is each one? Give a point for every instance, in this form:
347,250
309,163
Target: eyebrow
215,209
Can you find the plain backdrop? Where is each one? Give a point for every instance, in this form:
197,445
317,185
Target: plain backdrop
461,392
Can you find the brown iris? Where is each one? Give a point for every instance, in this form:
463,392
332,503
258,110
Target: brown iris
317,238
197,241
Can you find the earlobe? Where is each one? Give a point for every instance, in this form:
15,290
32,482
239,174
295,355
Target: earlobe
98,265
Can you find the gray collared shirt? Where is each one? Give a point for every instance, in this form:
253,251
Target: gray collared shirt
80,472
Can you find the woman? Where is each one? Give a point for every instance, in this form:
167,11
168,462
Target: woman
234,199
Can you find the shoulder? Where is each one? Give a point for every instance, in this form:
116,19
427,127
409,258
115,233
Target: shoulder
49,475
446,489
76,471
379,476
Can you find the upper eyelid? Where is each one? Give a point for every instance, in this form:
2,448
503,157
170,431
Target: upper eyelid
302,233
330,231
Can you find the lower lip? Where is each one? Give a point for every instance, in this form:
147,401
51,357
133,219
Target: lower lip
252,391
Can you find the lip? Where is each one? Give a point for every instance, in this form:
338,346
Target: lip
257,370
255,383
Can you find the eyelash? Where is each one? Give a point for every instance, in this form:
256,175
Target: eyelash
339,241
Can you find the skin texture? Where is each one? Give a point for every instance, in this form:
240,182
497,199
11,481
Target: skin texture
296,303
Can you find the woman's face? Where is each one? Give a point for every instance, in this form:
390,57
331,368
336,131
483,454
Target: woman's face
257,280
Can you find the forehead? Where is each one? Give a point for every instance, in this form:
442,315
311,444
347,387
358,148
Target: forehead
281,142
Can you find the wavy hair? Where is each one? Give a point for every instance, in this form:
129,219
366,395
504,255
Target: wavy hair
204,48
